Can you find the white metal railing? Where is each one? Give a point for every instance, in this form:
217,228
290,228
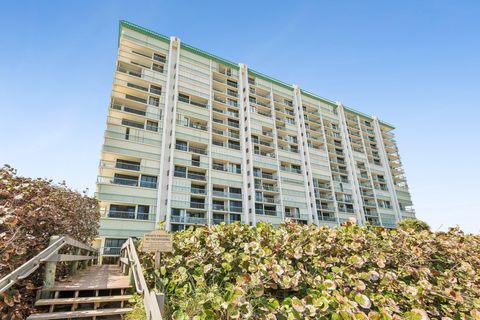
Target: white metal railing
129,261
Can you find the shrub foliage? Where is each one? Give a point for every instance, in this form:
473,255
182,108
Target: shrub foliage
307,272
32,210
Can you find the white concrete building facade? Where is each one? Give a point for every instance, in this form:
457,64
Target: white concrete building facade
192,139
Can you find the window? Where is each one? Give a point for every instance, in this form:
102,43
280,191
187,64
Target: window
113,246
127,164
142,212
152,125
176,212
181,145
159,57
131,123
235,168
125,180
155,89
154,101
231,83
235,206
180,172
218,166
148,181
233,144
183,98
157,67
121,211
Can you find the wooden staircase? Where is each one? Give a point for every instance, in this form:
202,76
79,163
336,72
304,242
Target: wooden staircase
97,292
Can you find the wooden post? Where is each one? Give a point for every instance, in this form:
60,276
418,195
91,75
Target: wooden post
74,265
50,270
157,259
131,277
85,262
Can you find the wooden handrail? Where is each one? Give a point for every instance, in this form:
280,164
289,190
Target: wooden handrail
131,263
48,255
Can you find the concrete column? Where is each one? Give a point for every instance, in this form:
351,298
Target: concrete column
305,156
386,167
246,143
351,167
168,135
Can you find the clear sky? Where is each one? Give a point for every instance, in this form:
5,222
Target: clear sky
415,64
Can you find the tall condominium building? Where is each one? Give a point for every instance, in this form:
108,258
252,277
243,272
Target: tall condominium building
192,138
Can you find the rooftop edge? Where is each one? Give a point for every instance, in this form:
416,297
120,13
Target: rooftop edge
163,38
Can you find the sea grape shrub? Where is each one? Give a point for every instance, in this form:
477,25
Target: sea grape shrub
307,272
415,224
32,210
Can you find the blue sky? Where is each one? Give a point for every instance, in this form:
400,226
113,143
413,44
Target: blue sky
415,64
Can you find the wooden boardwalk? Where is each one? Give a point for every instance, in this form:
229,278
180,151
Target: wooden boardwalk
94,278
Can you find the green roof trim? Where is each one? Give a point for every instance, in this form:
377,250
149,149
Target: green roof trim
316,97
142,30
270,79
209,55
386,124
161,37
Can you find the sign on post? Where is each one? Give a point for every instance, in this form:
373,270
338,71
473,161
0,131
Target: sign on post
157,241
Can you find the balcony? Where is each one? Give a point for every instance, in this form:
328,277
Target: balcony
199,191
128,71
321,185
324,196
227,112
292,170
296,216
224,194
125,108
345,200
266,212
226,122
183,147
197,205
196,176
219,207
194,125
128,215
345,209
326,207
265,154
266,187
323,216
189,220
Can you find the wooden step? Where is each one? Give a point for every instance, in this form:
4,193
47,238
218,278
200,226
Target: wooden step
79,314
49,302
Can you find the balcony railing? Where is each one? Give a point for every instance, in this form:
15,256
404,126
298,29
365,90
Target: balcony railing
227,194
196,176
128,215
326,217
266,212
321,185
125,108
191,220
197,205
183,147
192,125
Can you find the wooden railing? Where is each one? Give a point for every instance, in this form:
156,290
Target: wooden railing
50,257
152,301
